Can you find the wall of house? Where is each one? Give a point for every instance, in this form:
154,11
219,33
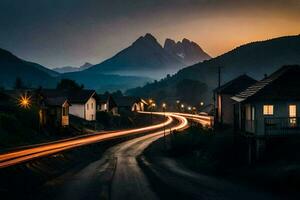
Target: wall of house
227,109
77,110
103,107
90,109
281,109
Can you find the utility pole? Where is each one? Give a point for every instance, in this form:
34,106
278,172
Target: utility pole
219,76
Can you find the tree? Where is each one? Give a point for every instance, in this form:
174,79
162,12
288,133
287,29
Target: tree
190,91
67,84
117,93
19,83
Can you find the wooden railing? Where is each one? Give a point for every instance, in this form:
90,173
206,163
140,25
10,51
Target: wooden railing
282,126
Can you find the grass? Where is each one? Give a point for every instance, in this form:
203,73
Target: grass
220,154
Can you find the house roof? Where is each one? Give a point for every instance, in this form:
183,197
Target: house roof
106,98
126,101
80,96
103,98
236,85
74,97
56,101
283,84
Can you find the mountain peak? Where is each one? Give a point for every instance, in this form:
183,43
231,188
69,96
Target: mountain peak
146,38
188,51
184,40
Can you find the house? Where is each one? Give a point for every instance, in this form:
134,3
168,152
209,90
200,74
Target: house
224,105
106,103
270,107
132,104
54,111
83,102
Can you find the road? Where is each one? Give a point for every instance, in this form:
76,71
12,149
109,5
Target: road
36,151
116,175
29,153
120,174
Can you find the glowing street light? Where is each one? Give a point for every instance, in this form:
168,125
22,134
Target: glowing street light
24,101
201,103
182,105
177,101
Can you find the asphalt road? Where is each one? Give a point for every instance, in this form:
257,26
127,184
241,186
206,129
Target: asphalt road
116,175
32,152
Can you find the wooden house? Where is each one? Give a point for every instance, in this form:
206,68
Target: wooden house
224,105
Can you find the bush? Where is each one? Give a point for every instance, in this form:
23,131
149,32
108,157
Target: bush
8,122
191,140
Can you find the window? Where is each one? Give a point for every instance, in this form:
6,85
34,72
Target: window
87,106
292,111
293,115
92,105
268,110
65,111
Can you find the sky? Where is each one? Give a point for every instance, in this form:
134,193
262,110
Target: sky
58,33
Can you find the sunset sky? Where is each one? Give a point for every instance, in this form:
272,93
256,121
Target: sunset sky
70,32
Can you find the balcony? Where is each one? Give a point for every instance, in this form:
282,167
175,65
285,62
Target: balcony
282,126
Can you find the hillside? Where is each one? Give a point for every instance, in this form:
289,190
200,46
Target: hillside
106,82
67,69
32,74
254,59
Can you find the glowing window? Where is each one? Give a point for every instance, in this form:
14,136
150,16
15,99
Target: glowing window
292,111
293,115
268,110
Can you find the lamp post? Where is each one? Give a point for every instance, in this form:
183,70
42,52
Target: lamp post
152,107
177,105
182,107
164,106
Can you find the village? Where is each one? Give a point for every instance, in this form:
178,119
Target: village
249,123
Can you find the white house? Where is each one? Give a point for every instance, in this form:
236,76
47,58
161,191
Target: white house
83,104
271,107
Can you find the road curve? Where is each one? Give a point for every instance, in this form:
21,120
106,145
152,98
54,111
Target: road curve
117,174
18,156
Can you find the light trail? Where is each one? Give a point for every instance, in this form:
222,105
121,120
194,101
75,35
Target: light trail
15,157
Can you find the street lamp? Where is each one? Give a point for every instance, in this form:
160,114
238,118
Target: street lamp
25,101
152,106
182,107
201,103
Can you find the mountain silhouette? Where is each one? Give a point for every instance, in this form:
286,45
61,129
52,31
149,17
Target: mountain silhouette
147,57
32,74
254,59
188,51
67,69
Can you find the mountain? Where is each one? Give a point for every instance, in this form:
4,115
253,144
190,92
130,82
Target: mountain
67,69
254,59
106,82
188,51
146,57
32,74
